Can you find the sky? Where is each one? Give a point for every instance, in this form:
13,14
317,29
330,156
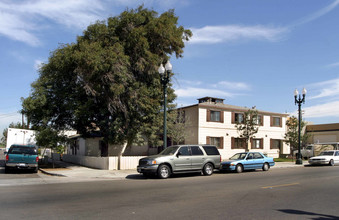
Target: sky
248,52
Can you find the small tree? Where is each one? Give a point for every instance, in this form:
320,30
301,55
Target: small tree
177,127
291,136
50,138
248,127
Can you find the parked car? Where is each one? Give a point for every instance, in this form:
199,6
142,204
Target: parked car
22,157
247,161
181,159
306,152
330,157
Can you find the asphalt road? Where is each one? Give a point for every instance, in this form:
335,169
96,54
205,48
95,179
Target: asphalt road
290,193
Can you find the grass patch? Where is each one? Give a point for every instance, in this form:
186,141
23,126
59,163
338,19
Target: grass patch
284,160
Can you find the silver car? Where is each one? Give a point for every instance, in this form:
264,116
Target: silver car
181,159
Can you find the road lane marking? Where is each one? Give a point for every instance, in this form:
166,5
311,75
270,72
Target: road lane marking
282,185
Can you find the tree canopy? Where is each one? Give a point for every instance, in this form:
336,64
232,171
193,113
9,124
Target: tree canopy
292,133
108,81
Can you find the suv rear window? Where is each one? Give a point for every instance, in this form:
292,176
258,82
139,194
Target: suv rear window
211,150
22,150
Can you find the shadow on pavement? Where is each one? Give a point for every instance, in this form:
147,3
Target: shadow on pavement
136,177
316,216
317,165
173,176
19,171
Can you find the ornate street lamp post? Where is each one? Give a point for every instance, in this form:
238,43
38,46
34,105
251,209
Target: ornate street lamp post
299,100
165,78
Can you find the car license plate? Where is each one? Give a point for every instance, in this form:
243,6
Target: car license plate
21,165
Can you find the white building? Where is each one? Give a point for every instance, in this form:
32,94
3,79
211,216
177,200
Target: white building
213,122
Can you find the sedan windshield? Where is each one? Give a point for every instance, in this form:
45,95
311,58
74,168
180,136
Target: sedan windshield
169,151
239,156
326,153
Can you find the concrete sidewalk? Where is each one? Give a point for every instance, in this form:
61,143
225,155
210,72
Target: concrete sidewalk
73,171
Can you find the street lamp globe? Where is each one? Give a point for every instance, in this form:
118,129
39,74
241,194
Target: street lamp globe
296,92
168,66
161,69
304,91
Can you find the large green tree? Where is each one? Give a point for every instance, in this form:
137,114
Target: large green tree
108,79
292,133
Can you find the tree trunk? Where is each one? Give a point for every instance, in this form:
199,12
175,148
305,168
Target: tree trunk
120,155
248,146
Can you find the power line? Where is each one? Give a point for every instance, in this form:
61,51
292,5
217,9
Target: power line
9,115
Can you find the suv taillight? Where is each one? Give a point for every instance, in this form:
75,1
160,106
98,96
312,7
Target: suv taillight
7,157
37,159
220,158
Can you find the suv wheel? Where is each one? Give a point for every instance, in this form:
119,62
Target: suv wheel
208,169
164,171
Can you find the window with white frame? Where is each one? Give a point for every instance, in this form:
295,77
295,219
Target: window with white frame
238,143
276,144
239,117
217,141
260,120
276,121
215,116
257,143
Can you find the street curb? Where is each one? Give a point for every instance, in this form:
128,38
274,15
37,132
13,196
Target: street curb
51,174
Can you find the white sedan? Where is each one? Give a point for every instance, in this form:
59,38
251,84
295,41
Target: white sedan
330,157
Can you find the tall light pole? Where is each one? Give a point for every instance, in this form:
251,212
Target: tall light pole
299,100
165,78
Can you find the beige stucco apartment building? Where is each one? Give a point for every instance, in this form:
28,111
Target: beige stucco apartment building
213,122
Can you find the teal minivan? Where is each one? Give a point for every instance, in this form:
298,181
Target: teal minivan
22,157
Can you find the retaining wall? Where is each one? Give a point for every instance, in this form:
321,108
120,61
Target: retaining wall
104,163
